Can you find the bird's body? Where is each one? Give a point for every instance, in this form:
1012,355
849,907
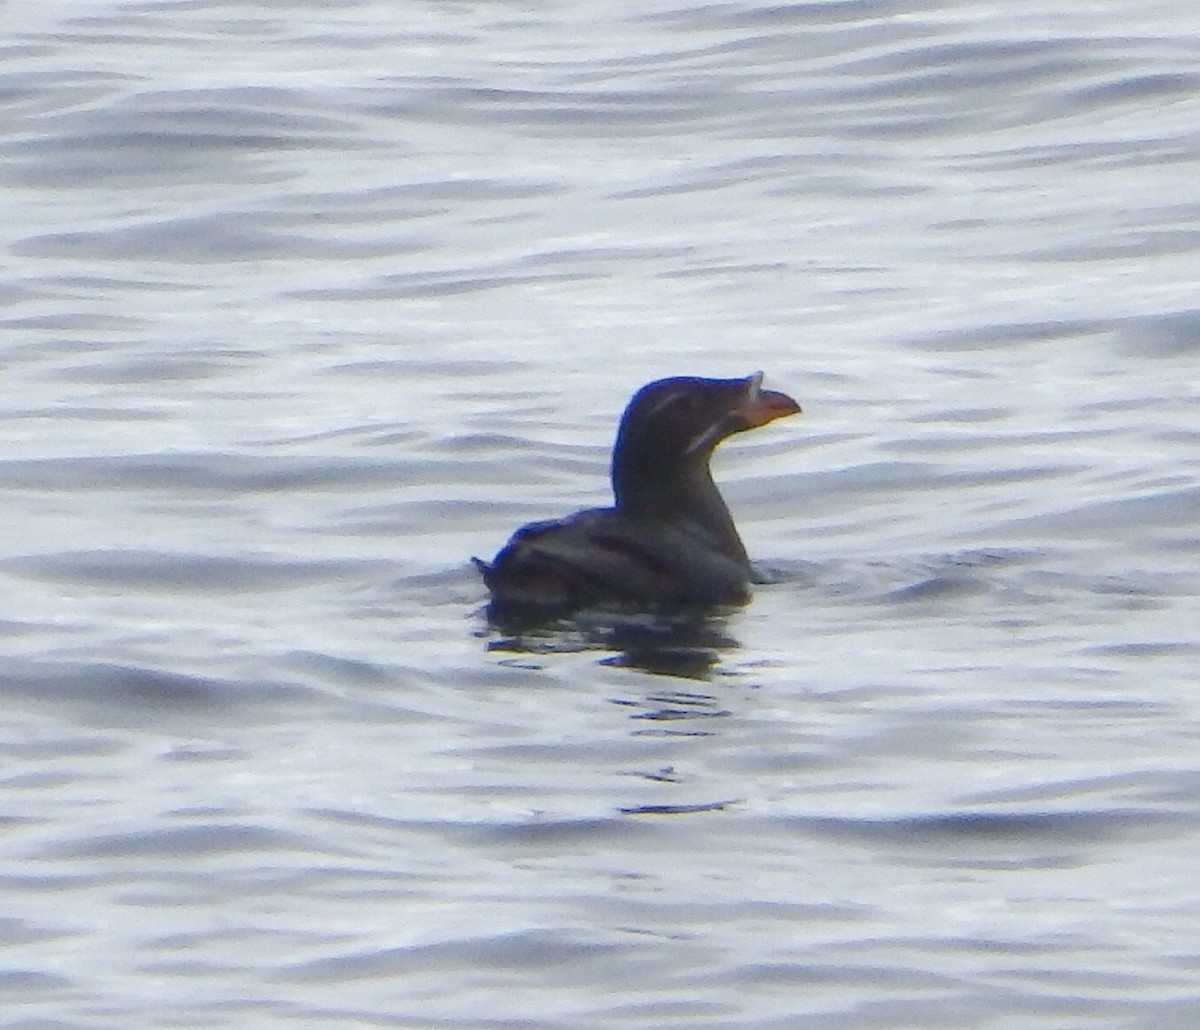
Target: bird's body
599,555
668,539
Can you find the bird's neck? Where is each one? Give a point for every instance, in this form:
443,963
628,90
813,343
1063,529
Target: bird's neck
684,497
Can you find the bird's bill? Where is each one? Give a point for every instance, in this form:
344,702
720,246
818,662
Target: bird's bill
762,406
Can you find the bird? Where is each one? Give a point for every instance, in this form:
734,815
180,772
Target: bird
668,539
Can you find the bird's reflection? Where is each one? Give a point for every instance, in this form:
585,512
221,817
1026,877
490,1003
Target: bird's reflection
687,644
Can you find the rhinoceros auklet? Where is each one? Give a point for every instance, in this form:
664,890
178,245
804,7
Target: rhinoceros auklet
668,539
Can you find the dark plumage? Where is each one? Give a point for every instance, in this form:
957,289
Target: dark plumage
669,538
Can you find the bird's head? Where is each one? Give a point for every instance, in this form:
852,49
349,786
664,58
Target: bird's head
679,421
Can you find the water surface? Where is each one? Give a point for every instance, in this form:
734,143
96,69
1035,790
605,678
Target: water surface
305,304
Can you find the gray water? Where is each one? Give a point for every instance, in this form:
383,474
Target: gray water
303,304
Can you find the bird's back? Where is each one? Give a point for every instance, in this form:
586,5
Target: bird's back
598,556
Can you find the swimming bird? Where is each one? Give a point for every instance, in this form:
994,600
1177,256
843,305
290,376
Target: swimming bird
668,539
